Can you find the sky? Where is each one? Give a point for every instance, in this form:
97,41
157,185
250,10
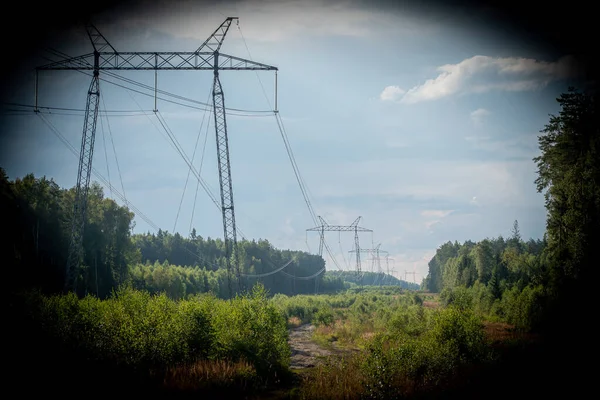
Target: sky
424,122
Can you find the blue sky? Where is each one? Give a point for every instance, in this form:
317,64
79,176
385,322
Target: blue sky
424,123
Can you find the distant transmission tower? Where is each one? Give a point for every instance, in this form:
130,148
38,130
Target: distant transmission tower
325,227
375,252
105,57
413,273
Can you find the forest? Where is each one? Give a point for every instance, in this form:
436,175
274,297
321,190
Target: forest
152,315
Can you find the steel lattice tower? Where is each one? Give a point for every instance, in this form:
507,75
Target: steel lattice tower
375,252
105,57
325,227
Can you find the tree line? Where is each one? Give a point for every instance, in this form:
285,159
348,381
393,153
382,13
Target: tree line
551,280
37,213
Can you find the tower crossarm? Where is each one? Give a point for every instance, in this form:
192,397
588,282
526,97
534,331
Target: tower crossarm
340,228
369,251
165,60
325,227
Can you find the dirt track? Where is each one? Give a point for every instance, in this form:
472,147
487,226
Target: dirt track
305,352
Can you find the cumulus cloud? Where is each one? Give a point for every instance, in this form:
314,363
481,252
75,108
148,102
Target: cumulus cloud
481,74
391,93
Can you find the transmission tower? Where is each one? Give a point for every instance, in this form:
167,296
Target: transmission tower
375,252
325,227
105,57
390,272
413,273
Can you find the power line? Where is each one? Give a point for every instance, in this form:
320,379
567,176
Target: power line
174,143
301,181
289,151
188,173
105,153
131,206
98,39
172,137
185,158
68,109
280,269
199,172
61,137
305,277
114,151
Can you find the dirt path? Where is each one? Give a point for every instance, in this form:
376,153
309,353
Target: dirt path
305,352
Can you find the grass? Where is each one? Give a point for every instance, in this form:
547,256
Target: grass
211,375
294,322
334,379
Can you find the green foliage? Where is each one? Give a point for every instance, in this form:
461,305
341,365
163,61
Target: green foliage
530,283
525,308
324,317
37,212
140,331
461,329
206,257
569,177
406,358
459,297
409,321
371,279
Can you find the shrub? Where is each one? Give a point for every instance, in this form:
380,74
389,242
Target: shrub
324,317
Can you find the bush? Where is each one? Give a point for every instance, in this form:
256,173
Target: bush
251,328
324,317
461,329
524,309
459,296
143,331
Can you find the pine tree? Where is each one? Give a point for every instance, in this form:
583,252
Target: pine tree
569,173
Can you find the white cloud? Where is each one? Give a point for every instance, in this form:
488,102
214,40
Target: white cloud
480,74
436,213
479,115
391,93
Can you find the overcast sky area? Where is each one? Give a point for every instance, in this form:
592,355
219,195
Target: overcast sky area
424,122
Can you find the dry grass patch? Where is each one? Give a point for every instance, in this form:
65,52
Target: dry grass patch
367,335
499,332
335,379
294,322
431,304
210,374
